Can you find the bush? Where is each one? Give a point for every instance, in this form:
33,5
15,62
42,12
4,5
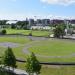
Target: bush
59,31
32,65
3,32
30,34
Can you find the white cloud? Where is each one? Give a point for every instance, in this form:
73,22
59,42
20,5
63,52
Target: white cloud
62,2
23,16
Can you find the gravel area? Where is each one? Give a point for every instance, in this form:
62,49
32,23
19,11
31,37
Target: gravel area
9,44
37,38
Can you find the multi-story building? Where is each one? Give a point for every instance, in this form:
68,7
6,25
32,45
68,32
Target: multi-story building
31,22
43,22
38,22
48,22
56,21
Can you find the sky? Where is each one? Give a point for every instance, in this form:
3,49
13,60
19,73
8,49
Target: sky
20,9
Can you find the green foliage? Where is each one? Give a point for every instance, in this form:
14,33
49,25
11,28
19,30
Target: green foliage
9,58
3,32
3,72
59,31
30,34
13,26
3,22
33,65
22,24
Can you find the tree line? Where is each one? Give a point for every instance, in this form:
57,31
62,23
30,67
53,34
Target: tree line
17,25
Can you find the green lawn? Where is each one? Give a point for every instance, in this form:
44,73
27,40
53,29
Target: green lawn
26,32
15,31
21,40
58,70
51,47
52,69
2,51
18,50
54,47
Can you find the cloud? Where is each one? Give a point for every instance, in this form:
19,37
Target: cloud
61,2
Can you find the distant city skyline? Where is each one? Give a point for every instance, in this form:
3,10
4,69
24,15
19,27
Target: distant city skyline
20,9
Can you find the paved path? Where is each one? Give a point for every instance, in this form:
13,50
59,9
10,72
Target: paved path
9,44
19,72
16,71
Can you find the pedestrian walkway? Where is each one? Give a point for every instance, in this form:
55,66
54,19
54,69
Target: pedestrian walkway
20,72
16,71
69,36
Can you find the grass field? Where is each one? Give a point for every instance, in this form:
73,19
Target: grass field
26,32
51,50
50,47
2,51
54,47
18,50
56,50
21,40
53,69
58,70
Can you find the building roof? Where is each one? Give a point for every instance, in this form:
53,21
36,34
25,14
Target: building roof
11,22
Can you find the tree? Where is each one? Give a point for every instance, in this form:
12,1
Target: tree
22,24
59,31
3,22
9,58
13,26
32,65
3,32
0,66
